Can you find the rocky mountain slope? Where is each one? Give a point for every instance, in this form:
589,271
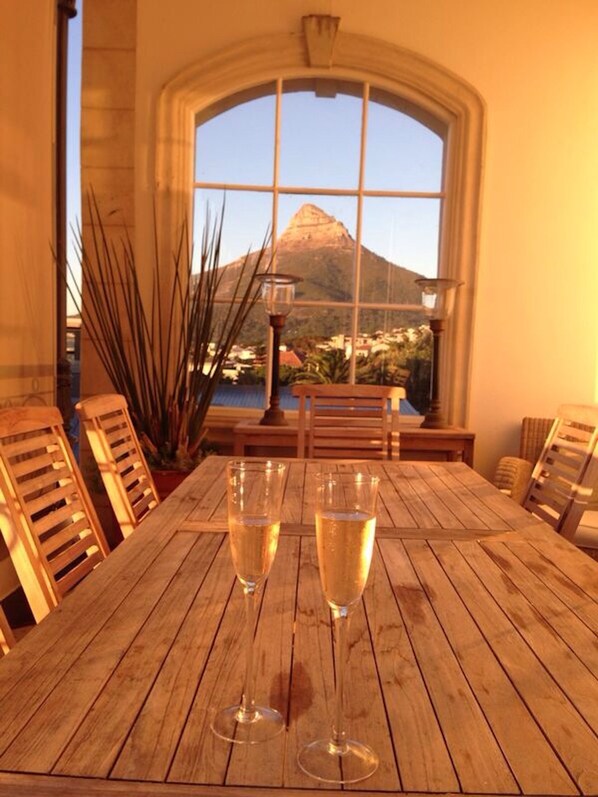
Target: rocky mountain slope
318,248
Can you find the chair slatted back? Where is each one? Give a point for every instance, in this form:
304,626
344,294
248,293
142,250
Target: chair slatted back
117,452
49,523
348,421
563,479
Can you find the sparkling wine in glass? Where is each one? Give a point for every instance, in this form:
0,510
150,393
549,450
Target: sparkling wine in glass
345,531
254,491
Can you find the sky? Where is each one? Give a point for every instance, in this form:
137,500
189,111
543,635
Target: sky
320,143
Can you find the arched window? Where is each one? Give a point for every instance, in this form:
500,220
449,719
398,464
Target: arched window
415,132
349,180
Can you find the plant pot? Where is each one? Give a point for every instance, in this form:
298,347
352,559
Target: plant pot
168,480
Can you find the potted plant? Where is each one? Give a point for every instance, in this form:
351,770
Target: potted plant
164,347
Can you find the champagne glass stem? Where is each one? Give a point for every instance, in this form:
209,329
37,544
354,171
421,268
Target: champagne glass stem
247,711
341,619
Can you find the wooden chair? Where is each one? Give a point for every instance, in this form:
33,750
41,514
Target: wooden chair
7,638
563,479
348,421
119,457
46,516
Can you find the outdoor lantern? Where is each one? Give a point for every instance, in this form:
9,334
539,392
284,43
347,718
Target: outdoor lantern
278,296
438,299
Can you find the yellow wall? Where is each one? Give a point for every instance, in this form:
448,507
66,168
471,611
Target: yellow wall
27,320
535,63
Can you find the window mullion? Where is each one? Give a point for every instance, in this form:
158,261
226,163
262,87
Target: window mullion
275,176
357,272
315,191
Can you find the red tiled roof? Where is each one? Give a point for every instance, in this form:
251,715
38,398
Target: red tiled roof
290,358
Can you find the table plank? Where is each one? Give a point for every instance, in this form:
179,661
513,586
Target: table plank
292,506
308,516
423,759
98,740
263,764
395,511
503,506
452,500
312,684
43,786
442,515
152,742
409,495
382,532
214,489
203,758
365,713
531,759
569,672
576,634
200,756
41,722
572,595
476,756
576,566
572,739
488,518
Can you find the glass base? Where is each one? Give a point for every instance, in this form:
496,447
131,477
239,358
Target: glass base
230,724
330,763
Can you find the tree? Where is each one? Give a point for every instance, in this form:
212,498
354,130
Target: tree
324,367
384,368
406,363
252,376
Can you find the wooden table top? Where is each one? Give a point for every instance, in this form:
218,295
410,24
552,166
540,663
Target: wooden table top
473,665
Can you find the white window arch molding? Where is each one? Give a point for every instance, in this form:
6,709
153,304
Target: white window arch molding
454,104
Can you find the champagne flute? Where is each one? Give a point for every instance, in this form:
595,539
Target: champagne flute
254,492
345,530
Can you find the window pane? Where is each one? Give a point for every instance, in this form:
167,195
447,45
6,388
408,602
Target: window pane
394,348
319,135
237,144
399,233
402,154
317,242
247,220
243,380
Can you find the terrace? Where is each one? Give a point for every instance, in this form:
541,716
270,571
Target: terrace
465,148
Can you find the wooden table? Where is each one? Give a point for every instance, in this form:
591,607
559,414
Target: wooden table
473,659
452,444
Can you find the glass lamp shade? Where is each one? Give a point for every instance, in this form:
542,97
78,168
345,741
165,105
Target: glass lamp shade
438,296
278,293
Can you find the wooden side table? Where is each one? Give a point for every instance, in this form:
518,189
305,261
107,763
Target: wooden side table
450,445
453,444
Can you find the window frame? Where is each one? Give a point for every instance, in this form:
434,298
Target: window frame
359,192
436,92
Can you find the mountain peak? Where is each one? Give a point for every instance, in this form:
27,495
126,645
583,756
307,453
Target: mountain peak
311,227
